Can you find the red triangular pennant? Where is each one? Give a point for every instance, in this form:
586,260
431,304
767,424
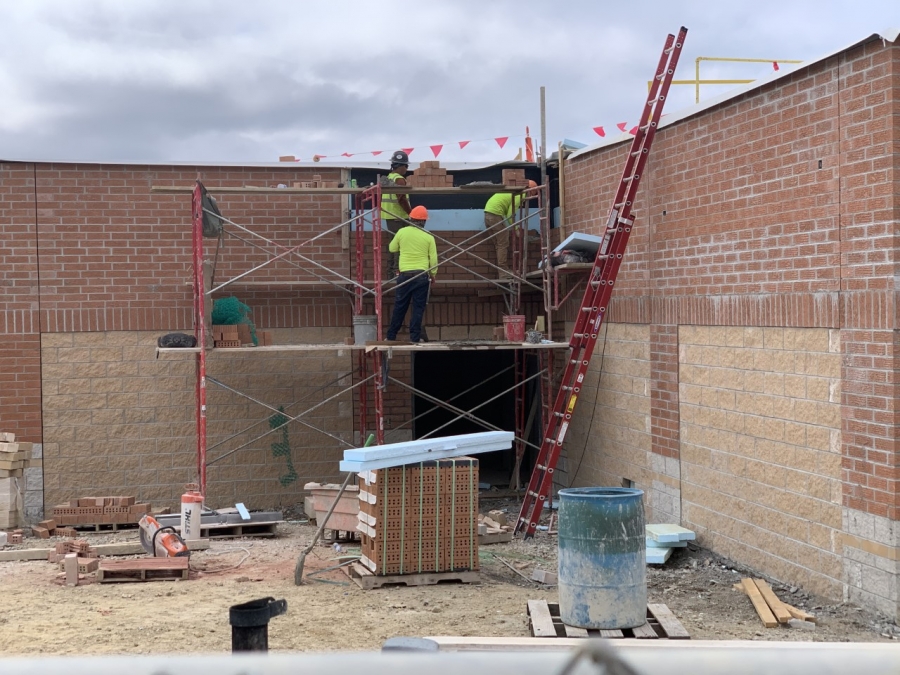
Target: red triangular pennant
633,130
599,131
377,152
346,154
775,65
463,144
408,151
622,125
436,149
501,140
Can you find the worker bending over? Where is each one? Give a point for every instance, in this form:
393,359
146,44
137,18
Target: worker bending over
395,208
418,267
501,208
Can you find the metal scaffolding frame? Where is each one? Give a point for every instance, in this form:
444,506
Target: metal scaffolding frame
373,360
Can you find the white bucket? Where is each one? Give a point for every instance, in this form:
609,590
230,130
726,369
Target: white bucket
364,328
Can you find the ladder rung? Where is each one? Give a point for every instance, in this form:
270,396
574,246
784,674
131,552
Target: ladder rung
628,179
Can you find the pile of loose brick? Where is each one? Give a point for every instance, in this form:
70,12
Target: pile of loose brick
48,528
430,175
420,518
88,559
316,182
14,459
100,511
239,335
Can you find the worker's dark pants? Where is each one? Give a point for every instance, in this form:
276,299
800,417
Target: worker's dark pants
416,292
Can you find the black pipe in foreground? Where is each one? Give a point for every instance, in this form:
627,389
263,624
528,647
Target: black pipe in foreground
250,624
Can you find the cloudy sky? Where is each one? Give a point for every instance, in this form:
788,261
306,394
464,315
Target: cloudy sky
236,80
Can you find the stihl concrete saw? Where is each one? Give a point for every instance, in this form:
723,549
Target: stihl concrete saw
159,541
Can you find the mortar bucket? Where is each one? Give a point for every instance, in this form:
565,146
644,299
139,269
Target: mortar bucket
514,327
364,328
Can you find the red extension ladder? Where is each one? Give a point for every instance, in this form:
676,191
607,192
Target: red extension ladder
598,291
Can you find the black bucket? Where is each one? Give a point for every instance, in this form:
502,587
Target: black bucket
250,624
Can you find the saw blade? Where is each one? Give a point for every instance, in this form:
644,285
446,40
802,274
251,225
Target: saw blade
146,543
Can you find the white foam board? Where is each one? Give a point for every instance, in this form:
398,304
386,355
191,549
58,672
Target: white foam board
657,556
412,452
665,533
581,242
668,544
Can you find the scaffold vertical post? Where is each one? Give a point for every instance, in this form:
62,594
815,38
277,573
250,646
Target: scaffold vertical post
199,330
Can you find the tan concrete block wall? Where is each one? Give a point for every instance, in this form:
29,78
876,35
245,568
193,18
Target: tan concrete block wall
609,438
117,420
760,448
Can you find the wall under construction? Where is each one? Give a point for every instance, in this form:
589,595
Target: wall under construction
761,275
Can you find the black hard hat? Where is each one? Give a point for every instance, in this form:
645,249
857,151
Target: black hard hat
400,157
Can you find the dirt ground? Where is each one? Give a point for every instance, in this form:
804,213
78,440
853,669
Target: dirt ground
39,615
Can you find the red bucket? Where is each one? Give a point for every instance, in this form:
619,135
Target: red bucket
514,327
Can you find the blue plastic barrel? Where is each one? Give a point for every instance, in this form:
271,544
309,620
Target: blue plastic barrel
602,569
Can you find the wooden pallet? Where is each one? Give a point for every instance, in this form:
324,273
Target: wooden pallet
143,569
367,581
233,530
544,622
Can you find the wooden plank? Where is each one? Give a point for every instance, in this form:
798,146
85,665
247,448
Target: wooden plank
498,538
614,634
645,632
125,548
541,621
574,632
671,625
800,614
759,603
143,569
778,609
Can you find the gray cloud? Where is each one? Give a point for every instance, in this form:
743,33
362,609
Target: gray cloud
234,81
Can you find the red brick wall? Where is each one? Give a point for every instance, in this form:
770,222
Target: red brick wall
20,363
775,208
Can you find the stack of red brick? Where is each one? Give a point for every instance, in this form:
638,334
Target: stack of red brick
514,178
100,511
430,175
420,517
239,335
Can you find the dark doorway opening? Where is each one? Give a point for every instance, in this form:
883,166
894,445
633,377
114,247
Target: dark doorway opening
466,379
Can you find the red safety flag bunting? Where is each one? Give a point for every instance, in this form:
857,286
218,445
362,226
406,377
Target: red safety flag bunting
463,144
436,149
501,140
599,131
408,151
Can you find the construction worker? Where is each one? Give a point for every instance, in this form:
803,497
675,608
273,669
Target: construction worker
418,267
499,214
395,208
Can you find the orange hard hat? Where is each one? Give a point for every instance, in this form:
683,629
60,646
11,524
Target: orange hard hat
419,213
532,184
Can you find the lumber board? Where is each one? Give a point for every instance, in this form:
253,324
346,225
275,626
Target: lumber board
574,632
366,580
645,632
411,452
613,633
800,614
778,609
541,621
670,624
759,603
143,569
449,643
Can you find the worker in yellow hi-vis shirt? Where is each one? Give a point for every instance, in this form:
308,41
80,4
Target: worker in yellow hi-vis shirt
499,213
418,267
395,208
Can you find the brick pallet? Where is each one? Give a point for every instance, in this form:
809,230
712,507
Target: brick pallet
420,518
544,621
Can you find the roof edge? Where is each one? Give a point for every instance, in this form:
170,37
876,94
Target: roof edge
888,35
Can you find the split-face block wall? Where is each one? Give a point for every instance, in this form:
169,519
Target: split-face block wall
748,380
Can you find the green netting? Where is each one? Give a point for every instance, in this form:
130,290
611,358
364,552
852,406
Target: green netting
231,311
